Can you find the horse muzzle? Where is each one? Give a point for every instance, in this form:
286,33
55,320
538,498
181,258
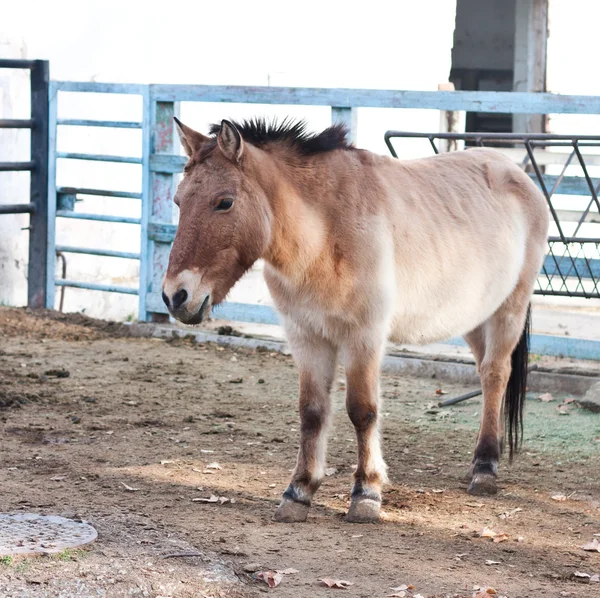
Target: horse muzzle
179,306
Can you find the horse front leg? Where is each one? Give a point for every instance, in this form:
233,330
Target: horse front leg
316,361
362,404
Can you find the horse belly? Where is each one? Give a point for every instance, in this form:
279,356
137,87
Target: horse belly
459,301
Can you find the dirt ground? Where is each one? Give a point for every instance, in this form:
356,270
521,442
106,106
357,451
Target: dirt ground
131,437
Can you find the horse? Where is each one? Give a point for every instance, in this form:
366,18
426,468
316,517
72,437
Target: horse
359,248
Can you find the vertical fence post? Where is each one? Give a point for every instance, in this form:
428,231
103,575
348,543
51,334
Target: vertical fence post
145,245
37,274
162,191
348,117
51,196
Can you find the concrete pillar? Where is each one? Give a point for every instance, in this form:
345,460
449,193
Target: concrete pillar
531,36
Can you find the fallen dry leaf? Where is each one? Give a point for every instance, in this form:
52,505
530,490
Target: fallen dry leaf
288,571
331,471
558,497
488,533
212,498
593,546
400,594
336,583
546,398
271,578
213,465
503,537
129,488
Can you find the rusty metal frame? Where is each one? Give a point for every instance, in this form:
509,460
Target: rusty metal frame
572,264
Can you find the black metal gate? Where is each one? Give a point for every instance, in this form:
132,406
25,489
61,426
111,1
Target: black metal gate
37,165
572,265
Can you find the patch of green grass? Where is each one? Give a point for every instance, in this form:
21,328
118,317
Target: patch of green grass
23,566
130,317
6,561
69,555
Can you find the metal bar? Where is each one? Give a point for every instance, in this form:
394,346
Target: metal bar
16,166
17,63
113,124
543,188
97,217
16,123
470,101
580,294
17,208
167,163
100,192
145,242
100,252
51,196
92,87
96,287
461,398
98,157
37,271
591,185
162,191
540,138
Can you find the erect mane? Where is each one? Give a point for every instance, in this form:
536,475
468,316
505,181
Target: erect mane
258,131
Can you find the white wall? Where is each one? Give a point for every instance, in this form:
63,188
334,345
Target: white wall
380,44
323,44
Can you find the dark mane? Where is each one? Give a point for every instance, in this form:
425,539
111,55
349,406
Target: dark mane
258,131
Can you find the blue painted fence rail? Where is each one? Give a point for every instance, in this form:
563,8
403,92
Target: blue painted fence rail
160,163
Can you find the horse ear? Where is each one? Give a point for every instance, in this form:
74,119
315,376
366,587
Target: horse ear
190,140
230,141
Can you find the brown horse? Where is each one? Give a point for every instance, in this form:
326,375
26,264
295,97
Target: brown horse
358,249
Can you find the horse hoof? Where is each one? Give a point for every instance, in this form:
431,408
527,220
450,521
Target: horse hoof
290,511
483,484
365,510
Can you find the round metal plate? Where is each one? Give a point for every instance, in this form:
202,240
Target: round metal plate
29,533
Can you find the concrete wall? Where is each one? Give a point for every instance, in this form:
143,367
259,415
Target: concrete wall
484,36
14,187
318,44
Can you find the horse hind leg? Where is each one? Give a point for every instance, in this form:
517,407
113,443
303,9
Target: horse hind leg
500,346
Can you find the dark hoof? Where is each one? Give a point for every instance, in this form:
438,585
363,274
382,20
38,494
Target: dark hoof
364,510
290,511
483,484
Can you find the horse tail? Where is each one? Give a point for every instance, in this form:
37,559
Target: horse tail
516,389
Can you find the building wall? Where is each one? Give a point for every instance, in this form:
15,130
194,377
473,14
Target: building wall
484,35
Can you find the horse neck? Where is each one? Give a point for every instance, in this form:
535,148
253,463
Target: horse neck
298,229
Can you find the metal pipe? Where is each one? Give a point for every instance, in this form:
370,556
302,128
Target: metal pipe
96,287
97,217
64,276
16,166
461,398
101,252
15,63
100,192
98,158
16,123
113,124
17,208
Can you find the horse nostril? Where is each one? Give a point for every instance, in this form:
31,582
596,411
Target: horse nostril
179,298
165,299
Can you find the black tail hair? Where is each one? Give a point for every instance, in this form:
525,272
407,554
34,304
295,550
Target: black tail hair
516,389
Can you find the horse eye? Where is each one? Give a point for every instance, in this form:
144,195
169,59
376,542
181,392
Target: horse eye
224,204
